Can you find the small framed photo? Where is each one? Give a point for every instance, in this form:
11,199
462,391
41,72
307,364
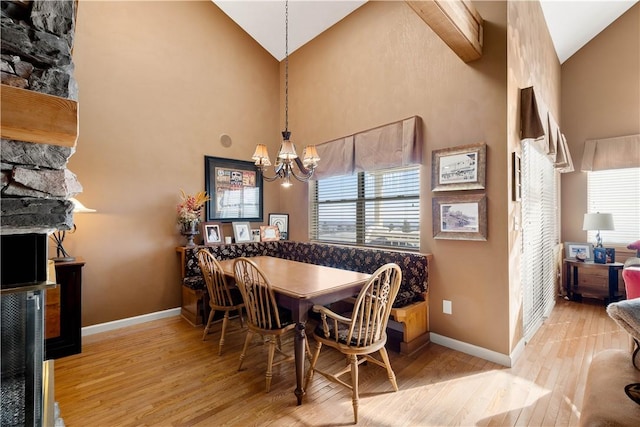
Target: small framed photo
461,217
459,168
611,255
269,233
241,232
600,255
578,250
282,222
212,233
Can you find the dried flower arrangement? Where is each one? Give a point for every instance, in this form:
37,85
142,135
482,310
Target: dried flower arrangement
191,206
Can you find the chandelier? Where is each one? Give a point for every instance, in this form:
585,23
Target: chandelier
284,168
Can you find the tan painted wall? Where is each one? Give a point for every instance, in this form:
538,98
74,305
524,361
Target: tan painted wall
532,61
600,99
159,82
383,63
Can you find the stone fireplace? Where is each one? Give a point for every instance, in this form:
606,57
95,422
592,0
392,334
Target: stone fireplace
39,130
38,88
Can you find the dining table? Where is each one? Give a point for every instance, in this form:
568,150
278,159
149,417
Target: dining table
298,286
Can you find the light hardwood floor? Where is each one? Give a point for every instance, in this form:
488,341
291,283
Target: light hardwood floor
161,373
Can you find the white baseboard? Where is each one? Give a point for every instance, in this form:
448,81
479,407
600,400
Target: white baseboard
483,353
121,323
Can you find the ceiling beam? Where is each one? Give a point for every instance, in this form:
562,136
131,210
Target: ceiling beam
456,22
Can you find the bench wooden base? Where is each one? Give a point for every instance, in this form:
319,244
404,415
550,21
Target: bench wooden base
193,306
415,325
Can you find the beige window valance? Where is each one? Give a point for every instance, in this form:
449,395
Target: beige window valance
392,145
611,153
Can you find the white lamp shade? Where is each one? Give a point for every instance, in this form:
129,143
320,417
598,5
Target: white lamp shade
287,151
597,221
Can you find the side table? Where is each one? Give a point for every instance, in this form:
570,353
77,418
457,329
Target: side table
571,270
63,311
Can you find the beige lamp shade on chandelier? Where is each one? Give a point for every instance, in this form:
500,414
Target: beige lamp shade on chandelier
287,159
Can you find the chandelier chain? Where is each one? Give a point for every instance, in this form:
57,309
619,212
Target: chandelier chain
286,65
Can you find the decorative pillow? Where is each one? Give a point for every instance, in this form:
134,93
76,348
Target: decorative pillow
635,245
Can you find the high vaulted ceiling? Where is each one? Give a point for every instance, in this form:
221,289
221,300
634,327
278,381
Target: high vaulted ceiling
572,24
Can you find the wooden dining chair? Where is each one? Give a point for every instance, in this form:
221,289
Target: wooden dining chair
264,317
361,333
221,296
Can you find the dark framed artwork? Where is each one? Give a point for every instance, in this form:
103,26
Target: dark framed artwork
235,188
212,233
460,217
459,168
282,222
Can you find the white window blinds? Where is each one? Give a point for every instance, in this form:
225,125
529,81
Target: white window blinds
539,236
378,208
616,191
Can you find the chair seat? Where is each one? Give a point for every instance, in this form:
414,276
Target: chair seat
343,332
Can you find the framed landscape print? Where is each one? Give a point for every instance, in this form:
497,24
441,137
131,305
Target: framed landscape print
459,168
212,233
462,217
282,222
235,188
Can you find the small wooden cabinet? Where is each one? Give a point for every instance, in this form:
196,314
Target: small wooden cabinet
63,310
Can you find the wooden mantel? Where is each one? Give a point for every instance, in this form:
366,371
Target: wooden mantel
456,22
37,117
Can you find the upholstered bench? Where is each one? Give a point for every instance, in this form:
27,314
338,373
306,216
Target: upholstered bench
409,315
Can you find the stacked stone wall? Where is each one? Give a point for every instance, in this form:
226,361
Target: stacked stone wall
35,184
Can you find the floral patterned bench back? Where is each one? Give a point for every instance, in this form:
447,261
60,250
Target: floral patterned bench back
414,266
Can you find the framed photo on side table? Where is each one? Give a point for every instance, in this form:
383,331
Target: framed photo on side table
462,217
459,168
282,222
212,233
572,249
241,232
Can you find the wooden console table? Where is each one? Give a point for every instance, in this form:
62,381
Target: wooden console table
571,273
63,311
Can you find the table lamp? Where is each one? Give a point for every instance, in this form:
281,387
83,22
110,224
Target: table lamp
58,236
597,221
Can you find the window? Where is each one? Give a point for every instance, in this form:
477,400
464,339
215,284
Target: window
616,191
380,208
539,237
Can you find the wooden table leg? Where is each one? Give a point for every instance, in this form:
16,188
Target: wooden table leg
299,358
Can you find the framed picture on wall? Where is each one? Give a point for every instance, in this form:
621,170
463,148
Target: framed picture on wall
459,168
461,217
235,188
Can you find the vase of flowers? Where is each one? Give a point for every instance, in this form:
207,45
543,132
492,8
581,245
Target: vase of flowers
189,210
